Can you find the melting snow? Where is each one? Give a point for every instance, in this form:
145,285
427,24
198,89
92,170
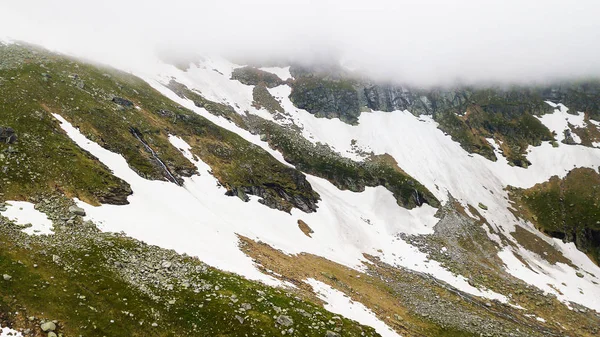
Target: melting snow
24,213
200,221
420,148
8,332
560,120
282,72
339,303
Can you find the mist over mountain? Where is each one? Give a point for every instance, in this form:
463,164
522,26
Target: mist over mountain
423,43
299,168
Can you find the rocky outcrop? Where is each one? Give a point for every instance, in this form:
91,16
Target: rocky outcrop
7,135
278,197
345,173
327,98
254,76
568,208
123,102
262,98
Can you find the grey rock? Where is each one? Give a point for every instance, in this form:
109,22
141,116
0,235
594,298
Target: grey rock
285,320
123,102
332,334
77,210
7,135
48,326
52,334
6,277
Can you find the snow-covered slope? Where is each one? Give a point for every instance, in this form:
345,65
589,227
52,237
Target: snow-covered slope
201,222
198,219
430,156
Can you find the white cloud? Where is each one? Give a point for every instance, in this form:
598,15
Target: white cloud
425,42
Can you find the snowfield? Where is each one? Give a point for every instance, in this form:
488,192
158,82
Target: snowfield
342,233
8,332
197,218
282,72
201,223
337,302
24,213
431,157
560,121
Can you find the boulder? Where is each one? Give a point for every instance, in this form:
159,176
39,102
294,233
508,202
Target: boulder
77,210
7,135
48,326
123,102
285,320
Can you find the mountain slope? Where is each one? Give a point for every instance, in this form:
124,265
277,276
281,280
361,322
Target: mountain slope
388,211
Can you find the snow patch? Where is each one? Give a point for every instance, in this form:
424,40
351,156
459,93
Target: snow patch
560,120
201,223
5,40
425,153
559,279
8,332
24,213
282,72
337,302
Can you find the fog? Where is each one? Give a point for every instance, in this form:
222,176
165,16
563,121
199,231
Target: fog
419,42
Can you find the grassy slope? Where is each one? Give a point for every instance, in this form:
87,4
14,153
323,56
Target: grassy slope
99,284
567,208
44,159
320,160
82,93
506,117
345,173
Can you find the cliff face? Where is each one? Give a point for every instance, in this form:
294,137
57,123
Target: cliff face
471,115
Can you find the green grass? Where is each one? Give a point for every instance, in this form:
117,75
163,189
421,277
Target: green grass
345,173
254,76
568,208
44,159
29,99
507,117
263,99
79,284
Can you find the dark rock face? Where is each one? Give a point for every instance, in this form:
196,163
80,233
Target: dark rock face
510,101
277,197
254,76
578,96
327,98
117,195
7,135
123,102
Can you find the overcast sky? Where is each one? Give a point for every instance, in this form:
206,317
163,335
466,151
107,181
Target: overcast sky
422,42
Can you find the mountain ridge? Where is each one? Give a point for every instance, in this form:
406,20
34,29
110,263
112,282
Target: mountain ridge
370,239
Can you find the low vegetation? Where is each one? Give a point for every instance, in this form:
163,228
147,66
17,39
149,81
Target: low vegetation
326,97
125,115
567,208
103,284
319,159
